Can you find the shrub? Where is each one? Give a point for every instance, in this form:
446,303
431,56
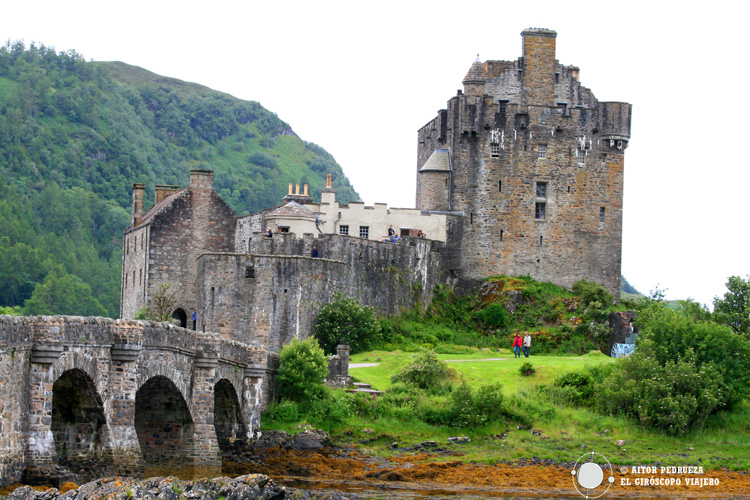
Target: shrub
527,369
284,411
592,292
344,320
494,316
425,371
470,408
302,368
577,387
681,372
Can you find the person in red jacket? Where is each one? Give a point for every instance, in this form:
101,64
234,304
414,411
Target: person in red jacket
517,343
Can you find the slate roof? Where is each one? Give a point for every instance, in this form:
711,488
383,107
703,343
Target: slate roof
439,161
160,207
476,73
291,209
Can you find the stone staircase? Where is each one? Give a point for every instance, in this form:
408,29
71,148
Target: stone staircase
360,387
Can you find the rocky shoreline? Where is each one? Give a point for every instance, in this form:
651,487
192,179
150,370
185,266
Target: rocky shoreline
248,487
313,469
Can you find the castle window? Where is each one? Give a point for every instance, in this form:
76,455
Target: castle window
542,151
502,107
562,108
344,230
501,234
494,150
364,231
541,190
283,229
500,186
557,77
603,158
581,157
541,240
540,213
601,214
540,210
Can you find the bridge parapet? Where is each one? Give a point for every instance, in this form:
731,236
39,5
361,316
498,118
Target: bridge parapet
105,363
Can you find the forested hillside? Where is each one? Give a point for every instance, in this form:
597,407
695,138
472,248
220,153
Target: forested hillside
76,135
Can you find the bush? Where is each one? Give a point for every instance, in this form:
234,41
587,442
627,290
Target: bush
302,368
592,292
343,320
284,411
425,371
681,372
470,408
527,369
494,316
576,387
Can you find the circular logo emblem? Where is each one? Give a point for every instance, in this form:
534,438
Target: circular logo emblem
588,475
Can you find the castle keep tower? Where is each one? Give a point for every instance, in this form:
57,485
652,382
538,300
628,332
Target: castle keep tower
534,164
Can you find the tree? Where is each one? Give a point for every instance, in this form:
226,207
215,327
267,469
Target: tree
63,293
734,309
343,320
302,368
162,304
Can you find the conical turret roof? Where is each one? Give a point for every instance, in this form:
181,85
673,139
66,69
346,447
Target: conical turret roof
476,73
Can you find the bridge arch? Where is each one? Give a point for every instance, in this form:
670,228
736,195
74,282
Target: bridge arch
229,424
78,423
165,367
163,423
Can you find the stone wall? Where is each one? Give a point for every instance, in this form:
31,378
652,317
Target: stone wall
57,373
274,293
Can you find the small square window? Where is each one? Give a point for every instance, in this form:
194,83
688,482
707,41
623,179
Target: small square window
562,108
502,107
364,231
541,189
540,212
542,151
283,229
344,229
495,150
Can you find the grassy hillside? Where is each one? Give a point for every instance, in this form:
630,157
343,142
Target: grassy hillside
76,135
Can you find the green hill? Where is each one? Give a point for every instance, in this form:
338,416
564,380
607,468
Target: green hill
76,135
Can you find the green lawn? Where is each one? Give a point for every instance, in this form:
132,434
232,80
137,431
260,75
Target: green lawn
469,366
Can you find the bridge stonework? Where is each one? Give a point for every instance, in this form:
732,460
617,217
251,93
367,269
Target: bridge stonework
121,393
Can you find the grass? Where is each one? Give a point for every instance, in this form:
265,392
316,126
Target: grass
568,432
475,372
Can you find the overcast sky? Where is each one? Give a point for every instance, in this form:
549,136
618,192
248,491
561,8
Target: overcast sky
361,78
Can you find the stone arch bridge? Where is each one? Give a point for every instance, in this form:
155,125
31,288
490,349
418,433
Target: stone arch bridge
123,394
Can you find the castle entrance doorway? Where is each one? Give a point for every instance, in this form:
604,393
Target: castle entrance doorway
78,421
181,316
163,423
228,422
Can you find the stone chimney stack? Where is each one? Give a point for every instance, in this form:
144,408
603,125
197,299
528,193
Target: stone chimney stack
137,203
539,66
329,194
296,195
201,179
162,191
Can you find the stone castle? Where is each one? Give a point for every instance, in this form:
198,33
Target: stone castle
522,173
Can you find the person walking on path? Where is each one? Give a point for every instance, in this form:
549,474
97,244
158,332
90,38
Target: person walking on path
517,342
526,344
